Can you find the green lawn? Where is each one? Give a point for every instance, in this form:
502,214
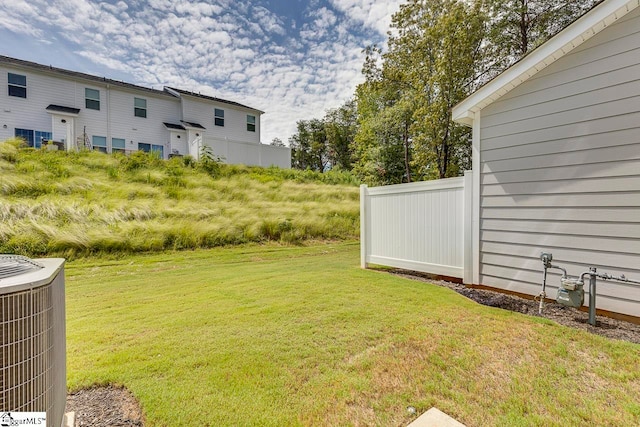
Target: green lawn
282,335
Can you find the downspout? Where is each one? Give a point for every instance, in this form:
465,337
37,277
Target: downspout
109,147
475,167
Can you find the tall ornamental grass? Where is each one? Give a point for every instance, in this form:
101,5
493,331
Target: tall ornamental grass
70,204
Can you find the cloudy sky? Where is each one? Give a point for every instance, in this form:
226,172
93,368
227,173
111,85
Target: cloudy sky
292,59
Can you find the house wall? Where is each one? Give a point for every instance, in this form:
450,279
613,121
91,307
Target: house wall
149,130
235,119
178,141
116,119
560,171
29,112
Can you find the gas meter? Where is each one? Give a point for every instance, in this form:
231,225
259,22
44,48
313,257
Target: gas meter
571,291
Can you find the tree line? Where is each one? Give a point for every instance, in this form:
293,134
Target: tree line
397,126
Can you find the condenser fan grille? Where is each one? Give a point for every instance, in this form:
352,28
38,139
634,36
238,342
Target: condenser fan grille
15,265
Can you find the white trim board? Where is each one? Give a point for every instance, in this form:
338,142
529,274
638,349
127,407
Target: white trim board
590,24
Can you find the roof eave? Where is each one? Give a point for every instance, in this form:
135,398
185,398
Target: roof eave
76,75
555,48
208,98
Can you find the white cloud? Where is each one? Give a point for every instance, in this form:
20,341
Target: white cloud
371,13
232,49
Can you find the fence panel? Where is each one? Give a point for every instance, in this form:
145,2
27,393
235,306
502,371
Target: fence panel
423,226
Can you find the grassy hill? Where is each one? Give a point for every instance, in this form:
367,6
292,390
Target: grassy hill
71,204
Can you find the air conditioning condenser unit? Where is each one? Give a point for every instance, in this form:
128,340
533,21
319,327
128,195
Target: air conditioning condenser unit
32,337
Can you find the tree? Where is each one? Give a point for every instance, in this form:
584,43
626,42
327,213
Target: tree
444,37
309,146
382,146
434,49
340,126
519,26
277,142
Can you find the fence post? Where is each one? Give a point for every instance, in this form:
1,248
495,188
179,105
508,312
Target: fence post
468,228
363,226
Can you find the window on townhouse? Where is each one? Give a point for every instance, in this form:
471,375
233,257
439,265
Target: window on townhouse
92,99
41,138
17,85
219,117
33,138
140,107
99,143
151,148
251,123
118,145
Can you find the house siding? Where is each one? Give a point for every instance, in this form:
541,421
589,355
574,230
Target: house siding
235,120
560,171
29,112
149,130
116,118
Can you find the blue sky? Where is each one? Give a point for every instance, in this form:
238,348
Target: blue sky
292,59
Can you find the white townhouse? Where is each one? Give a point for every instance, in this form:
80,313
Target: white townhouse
73,109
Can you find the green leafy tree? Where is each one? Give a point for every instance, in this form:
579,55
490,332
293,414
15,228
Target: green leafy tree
382,144
519,26
434,49
309,146
340,126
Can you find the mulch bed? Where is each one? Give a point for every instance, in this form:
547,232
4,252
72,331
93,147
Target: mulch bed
105,407
567,316
116,407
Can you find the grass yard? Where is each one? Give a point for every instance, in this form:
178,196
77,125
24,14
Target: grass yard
281,335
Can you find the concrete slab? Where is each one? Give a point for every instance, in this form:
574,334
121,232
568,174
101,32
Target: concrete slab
435,418
69,419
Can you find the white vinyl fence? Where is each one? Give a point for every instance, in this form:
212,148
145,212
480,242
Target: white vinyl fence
422,226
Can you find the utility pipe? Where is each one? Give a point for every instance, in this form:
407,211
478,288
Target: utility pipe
593,275
592,296
592,293
546,259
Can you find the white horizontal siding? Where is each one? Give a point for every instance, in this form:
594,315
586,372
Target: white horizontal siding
579,201
621,167
581,113
601,127
599,55
30,113
116,119
149,130
566,186
587,213
560,171
235,119
93,122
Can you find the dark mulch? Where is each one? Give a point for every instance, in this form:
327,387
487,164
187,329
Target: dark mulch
605,326
105,407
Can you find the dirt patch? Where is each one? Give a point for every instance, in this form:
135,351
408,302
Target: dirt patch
605,326
105,407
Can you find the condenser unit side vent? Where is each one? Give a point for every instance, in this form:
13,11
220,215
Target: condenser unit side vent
32,337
